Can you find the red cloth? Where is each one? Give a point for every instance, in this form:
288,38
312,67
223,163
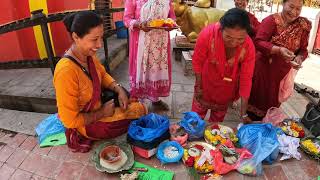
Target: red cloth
104,130
254,23
76,142
209,60
96,94
268,74
215,116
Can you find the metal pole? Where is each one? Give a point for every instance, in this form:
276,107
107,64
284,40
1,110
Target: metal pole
38,15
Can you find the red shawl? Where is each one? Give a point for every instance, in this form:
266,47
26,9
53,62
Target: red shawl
76,141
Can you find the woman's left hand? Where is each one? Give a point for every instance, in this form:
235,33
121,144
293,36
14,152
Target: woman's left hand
298,59
123,99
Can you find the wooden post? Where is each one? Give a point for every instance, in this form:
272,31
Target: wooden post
38,15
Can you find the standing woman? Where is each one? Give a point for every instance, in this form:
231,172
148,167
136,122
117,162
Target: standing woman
149,51
223,63
281,38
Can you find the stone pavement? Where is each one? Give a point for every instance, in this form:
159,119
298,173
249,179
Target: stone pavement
310,72
22,159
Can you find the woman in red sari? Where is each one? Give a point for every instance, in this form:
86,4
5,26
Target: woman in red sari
223,63
281,38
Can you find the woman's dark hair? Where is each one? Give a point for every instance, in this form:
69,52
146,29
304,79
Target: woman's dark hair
236,17
81,22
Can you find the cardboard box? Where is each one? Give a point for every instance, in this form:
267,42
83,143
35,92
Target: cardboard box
145,153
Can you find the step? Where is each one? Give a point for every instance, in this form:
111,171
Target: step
186,61
31,89
117,52
20,121
179,44
27,90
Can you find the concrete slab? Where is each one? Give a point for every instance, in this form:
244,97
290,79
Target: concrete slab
20,121
310,72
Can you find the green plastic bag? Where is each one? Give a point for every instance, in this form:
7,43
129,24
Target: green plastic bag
54,140
152,173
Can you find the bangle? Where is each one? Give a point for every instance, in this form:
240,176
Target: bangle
244,116
114,88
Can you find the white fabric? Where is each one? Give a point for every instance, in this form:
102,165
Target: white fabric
205,156
289,147
152,55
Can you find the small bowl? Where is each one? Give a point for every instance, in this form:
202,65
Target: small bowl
110,154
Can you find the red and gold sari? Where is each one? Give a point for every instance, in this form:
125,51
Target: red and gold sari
271,69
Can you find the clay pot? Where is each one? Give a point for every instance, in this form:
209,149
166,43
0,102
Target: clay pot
110,154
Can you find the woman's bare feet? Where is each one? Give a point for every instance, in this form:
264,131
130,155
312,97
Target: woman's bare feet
160,105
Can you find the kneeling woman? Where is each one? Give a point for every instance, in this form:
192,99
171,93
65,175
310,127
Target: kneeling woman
223,63
79,79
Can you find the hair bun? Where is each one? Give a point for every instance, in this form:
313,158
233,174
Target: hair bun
68,20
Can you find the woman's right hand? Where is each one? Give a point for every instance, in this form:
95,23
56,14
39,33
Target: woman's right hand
286,53
142,26
108,108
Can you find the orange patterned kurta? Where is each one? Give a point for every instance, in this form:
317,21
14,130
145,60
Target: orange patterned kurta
74,90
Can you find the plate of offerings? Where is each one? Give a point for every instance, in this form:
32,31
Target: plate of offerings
311,146
197,155
218,134
166,24
292,128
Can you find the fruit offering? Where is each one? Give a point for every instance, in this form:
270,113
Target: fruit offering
218,134
166,23
292,128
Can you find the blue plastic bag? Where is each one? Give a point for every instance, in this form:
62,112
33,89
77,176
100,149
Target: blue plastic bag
261,140
193,125
161,156
148,127
49,126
